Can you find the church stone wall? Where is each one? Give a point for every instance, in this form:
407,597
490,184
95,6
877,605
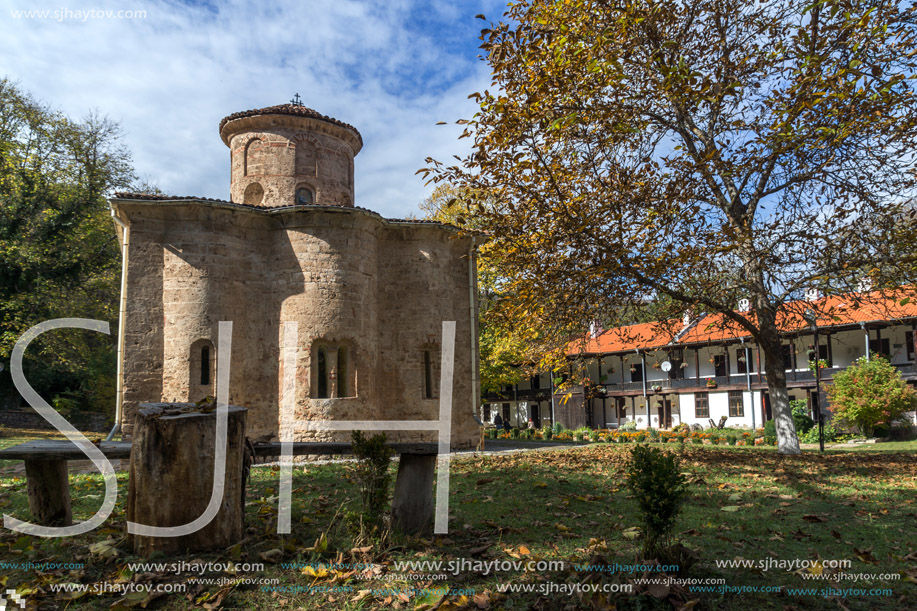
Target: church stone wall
349,278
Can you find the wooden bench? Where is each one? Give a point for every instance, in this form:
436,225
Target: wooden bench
49,488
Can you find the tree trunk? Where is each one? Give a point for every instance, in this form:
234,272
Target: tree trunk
412,503
49,491
171,477
787,441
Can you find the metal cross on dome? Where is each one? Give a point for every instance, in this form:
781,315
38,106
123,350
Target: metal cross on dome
296,101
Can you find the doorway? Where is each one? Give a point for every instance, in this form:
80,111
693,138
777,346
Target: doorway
665,414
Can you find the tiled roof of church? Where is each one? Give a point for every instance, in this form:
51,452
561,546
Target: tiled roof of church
289,109
158,197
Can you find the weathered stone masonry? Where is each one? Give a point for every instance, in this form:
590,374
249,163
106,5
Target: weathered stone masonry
369,293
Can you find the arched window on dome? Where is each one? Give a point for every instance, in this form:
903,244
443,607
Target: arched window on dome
254,194
304,196
255,153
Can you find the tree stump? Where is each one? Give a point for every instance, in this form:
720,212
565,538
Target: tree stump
171,476
49,491
412,502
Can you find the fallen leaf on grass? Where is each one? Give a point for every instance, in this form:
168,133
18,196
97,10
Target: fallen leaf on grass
482,600
865,555
432,598
272,555
730,508
814,518
631,533
104,549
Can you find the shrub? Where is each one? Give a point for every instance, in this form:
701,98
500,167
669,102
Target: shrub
578,436
641,437
812,435
801,416
731,439
654,478
514,433
547,432
372,475
558,428
628,426
869,393
770,432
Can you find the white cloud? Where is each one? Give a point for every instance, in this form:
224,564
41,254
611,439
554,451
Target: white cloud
392,69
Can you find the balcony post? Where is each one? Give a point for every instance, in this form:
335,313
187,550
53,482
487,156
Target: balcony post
643,376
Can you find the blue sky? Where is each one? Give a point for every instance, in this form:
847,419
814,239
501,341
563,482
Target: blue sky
393,69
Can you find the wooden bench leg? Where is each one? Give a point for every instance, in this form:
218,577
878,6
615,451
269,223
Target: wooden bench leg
49,491
412,504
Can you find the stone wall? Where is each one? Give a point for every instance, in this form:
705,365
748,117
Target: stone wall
29,419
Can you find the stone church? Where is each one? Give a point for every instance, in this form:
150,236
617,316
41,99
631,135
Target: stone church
369,293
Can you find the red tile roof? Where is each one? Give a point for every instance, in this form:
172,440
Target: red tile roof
643,336
832,311
289,109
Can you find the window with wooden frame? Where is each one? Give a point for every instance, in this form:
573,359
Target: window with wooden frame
787,351
719,365
736,404
701,405
741,361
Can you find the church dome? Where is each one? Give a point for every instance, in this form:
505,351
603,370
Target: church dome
288,155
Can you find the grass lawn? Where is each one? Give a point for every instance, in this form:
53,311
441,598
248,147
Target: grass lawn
566,505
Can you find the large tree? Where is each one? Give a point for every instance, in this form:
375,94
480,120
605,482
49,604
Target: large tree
59,256
696,154
504,348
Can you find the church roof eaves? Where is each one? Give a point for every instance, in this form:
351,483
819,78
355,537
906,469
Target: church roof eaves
181,199
289,109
